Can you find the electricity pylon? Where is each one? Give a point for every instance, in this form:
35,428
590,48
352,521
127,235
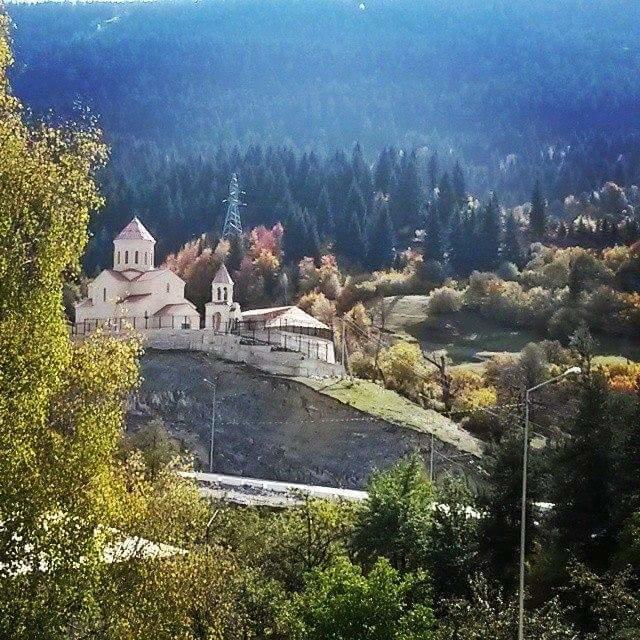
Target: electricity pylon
232,223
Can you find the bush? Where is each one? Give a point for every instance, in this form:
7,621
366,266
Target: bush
564,322
444,300
403,368
508,271
363,366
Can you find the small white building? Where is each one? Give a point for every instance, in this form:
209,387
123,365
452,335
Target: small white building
222,313
135,291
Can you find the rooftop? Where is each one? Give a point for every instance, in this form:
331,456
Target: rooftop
222,276
135,230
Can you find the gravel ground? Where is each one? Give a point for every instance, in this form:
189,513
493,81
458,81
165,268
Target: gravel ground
270,427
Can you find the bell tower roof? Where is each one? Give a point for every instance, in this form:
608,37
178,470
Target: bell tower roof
135,230
222,276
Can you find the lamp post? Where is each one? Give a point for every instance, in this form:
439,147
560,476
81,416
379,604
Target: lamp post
213,385
523,513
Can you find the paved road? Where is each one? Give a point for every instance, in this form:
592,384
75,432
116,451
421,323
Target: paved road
257,492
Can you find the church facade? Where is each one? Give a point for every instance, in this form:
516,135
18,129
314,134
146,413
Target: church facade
135,290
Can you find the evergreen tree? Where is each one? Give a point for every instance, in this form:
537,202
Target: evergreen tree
350,238
502,501
511,245
384,171
300,236
433,172
446,201
236,252
362,174
538,214
434,246
489,233
583,480
459,187
463,241
324,215
355,204
406,200
381,241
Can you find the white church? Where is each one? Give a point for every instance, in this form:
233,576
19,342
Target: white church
149,298
134,294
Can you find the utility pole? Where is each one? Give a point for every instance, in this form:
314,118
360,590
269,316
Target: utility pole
213,386
523,506
213,429
343,344
431,460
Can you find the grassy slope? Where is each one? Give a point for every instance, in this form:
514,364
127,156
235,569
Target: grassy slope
373,399
470,338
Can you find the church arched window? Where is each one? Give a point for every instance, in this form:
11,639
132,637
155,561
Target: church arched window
145,258
136,258
104,295
168,287
219,294
118,257
126,257
225,294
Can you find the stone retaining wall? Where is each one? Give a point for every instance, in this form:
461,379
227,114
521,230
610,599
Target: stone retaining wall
229,347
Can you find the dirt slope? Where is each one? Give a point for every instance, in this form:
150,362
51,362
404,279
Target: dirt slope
269,427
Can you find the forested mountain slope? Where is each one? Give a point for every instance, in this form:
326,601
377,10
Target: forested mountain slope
475,80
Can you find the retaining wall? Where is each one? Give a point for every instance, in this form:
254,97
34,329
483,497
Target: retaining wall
228,347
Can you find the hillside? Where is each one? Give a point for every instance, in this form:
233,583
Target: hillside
469,337
479,81
270,427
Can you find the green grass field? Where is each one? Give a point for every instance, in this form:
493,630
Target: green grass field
375,400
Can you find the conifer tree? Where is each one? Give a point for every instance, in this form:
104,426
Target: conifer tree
502,500
538,214
355,203
459,186
511,246
489,234
324,215
381,241
362,174
350,238
236,252
463,241
446,201
584,480
384,171
434,245
406,201
433,172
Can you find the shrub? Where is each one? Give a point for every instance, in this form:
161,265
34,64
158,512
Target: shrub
363,366
403,368
564,322
444,300
508,271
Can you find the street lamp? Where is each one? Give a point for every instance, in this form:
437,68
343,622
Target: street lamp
523,514
214,386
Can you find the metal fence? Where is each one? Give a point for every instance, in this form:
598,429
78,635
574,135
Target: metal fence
137,323
245,327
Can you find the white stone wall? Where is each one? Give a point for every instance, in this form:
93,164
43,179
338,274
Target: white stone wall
228,347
